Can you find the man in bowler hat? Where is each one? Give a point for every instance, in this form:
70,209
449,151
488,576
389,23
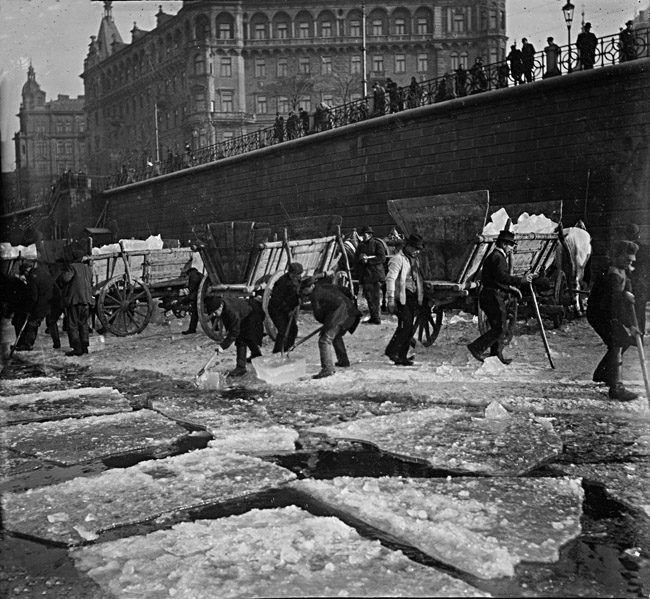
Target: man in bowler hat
497,284
370,258
284,305
404,296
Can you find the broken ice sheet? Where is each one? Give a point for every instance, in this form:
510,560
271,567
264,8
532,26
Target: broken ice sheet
71,511
239,426
456,440
64,403
82,440
482,526
284,552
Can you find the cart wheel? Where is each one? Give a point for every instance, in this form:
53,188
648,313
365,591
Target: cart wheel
269,327
125,307
561,295
211,325
428,324
512,307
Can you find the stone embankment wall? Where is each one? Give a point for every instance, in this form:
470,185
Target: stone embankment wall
583,139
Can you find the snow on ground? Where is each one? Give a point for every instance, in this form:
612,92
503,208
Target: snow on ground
282,552
81,509
481,526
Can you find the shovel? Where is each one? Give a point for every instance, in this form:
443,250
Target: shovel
209,380
19,337
639,346
280,368
541,326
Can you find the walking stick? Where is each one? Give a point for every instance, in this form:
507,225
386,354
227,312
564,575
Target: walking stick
639,346
20,334
541,326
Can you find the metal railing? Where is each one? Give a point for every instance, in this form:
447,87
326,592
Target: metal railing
457,84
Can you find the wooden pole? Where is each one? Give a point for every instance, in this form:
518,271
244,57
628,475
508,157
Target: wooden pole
639,347
541,326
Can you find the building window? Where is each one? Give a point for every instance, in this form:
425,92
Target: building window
68,126
59,148
455,63
228,135
304,65
326,29
260,31
283,67
199,102
260,67
327,99
261,106
423,63
377,63
459,23
463,59
227,104
326,65
305,103
303,30
493,19
423,26
59,126
377,27
355,65
282,31
400,63
355,28
225,31
225,69
400,27
199,65
41,148
40,127
283,105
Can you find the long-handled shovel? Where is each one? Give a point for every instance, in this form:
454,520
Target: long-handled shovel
541,326
644,368
207,364
19,337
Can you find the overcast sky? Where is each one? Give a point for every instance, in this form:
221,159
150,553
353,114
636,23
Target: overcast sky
54,35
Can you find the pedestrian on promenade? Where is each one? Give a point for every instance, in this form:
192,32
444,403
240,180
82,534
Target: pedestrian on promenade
43,301
479,78
610,311
322,117
516,59
243,320
284,305
293,126
393,96
627,43
553,54
461,81
335,309
77,282
404,297
496,285
278,128
586,44
413,93
528,60
370,259
640,276
378,99
503,72
304,120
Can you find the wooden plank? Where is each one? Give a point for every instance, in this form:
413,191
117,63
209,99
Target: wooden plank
448,223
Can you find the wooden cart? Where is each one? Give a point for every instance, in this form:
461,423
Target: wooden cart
245,259
454,255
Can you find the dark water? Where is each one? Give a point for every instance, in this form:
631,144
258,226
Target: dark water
611,558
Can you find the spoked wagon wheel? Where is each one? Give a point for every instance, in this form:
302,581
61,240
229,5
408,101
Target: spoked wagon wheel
125,307
512,307
428,323
211,325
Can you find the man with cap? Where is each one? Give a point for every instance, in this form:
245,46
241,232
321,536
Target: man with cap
370,258
627,43
497,284
404,297
335,309
77,281
610,311
284,305
243,320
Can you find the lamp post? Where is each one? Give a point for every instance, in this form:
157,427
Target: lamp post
364,82
567,10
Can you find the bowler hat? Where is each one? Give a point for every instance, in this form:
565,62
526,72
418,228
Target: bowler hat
295,268
365,230
506,237
415,240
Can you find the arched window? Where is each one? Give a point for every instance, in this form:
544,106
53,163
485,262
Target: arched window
281,26
225,26
199,64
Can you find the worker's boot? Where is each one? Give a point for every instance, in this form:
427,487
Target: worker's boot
616,389
26,342
240,370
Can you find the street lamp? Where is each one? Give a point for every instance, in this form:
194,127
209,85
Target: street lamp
568,9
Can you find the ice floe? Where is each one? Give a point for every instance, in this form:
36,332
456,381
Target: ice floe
482,526
283,552
81,509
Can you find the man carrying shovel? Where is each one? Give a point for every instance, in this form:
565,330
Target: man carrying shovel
338,314
243,320
283,307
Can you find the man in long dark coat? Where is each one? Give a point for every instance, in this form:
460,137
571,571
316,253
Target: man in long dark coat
77,280
243,320
586,44
497,283
284,304
335,309
370,258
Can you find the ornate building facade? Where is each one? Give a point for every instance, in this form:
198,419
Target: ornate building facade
51,141
221,68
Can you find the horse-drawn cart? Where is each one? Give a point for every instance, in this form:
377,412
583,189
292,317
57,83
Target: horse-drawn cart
455,250
245,259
